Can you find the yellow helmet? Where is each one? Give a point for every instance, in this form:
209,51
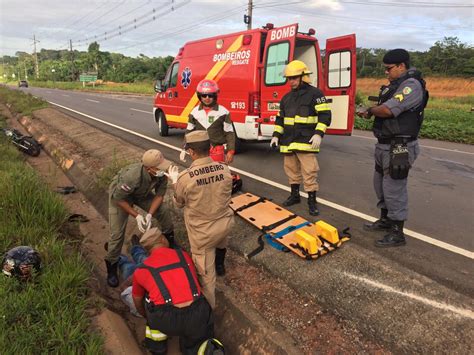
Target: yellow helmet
297,68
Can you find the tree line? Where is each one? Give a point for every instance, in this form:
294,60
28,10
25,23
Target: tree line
449,57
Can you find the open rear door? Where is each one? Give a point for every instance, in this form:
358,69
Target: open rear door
339,82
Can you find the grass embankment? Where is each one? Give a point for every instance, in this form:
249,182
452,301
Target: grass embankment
448,115
22,103
49,314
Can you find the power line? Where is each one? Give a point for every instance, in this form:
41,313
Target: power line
425,4
189,26
132,25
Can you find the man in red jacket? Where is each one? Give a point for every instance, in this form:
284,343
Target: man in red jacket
167,293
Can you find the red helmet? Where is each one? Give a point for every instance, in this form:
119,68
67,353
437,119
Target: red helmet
207,86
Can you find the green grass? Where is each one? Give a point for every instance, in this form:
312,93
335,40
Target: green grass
137,88
21,102
48,314
445,119
105,176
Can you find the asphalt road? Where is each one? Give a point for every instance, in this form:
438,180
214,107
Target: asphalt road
440,184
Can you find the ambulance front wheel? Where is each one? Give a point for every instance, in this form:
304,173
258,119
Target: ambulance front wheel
162,125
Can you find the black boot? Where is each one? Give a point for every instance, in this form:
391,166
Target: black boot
393,239
382,224
170,237
294,197
312,204
220,256
112,276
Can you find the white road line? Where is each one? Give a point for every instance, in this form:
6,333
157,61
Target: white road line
422,145
135,109
443,306
419,236
92,101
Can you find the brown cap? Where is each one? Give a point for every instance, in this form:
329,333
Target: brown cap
154,159
151,238
196,136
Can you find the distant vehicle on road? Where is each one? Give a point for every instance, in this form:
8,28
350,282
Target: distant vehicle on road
22,84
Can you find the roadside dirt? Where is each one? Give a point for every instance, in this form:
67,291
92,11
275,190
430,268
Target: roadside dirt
312,329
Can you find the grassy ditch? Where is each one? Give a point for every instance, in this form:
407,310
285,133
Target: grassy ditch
49,314
447,119
21,102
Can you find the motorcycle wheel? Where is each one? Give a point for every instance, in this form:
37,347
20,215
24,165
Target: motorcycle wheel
29,146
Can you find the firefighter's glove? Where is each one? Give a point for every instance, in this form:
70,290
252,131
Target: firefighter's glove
315,141
172,174
148,221
229,157
182,156
274,142
141,223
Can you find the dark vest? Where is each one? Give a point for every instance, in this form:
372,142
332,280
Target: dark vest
408,123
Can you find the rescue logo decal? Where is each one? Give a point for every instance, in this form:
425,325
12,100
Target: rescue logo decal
236,57
211,119
406,90
186,77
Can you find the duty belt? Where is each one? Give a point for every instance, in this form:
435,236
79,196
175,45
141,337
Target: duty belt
396,140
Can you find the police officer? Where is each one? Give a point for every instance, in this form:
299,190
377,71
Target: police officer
215,119
204,190
398,119
142,184
166,291
299,128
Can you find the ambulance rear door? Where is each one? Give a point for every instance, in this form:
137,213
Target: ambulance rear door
279,49
339,82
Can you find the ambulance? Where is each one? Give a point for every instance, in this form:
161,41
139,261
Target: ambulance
248,67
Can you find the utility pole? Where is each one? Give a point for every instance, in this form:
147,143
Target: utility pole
248,18
36,57
72,61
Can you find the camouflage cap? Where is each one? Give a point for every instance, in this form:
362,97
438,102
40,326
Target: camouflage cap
152,238
196,136
153,158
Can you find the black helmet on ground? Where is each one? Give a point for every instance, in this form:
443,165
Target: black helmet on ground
211,346
20,262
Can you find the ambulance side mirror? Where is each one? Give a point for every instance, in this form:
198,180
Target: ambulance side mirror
159,87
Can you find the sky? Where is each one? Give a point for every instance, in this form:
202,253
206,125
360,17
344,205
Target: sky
159,28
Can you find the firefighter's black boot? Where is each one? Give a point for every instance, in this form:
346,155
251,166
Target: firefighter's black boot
294,197
382,224
312,204
220,257
112,276
393,239
170,237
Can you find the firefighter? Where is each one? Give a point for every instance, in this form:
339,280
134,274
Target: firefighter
299,128
142,184
204,190
167,293
215,119
398,119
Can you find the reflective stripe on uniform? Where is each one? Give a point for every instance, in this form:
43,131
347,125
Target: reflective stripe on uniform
322,107
290,121
278,129
302,147
155,335
190,126
307,120
321,127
